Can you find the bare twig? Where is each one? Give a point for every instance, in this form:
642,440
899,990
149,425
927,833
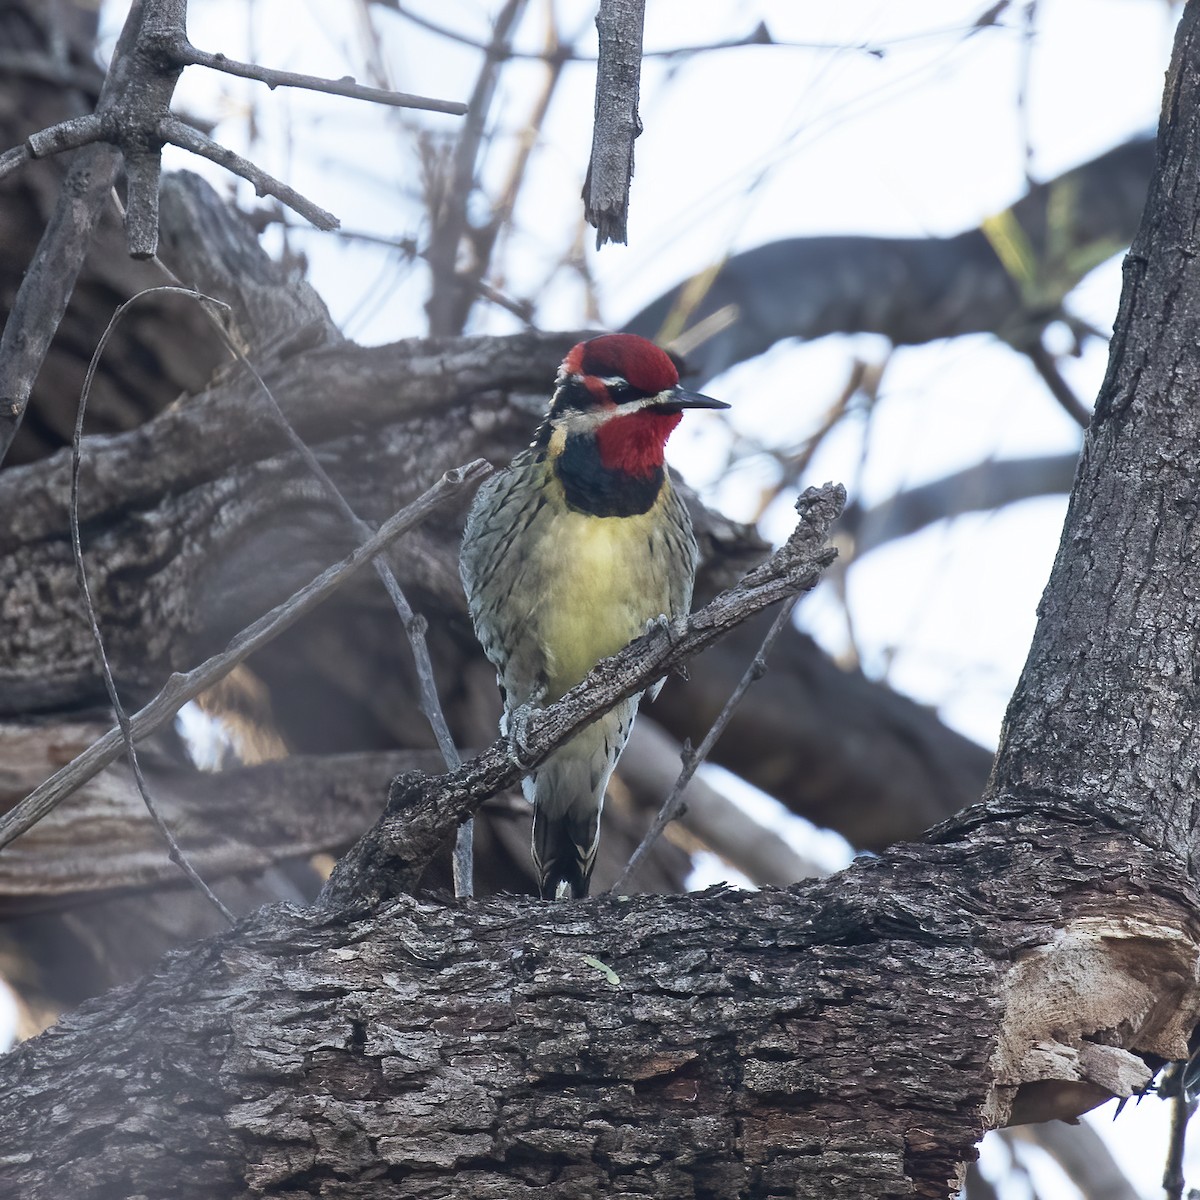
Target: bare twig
422,810
1173,1177
180,688
175,854
414,624
335,87
44,292
616,122
760,35
484,239
693,758
449,300
1060,389
649,765
180,134
133,115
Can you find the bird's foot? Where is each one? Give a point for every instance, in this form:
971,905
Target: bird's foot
662,621
517,728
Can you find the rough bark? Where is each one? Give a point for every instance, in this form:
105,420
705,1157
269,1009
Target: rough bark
805,1043
617,124
47,74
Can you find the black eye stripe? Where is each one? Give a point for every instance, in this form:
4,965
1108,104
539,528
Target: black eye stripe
573,395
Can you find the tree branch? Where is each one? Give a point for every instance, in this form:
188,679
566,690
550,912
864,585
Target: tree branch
617,124
656,1045
179,689
47,286
693,758
912,290
982,487
422,812
334,87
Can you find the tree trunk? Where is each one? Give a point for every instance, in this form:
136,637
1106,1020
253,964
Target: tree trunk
849,1038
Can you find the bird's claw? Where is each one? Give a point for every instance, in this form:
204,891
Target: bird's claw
517,727
662,621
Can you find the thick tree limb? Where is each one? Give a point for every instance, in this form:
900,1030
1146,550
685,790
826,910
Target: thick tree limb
982,487
179,689
231,822
808,1043
912,290
132,121
1105,716
800,1043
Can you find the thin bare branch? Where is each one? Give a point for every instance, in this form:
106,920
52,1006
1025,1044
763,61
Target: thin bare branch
180,688
1060,389
180,134
1182,1109
649,765
66,135
334,87
414,625
175,853
485,239
617,124
760,35
133,115
693,758
12,159
44,292
450,300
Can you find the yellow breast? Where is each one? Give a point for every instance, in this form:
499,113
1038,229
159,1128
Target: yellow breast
601,579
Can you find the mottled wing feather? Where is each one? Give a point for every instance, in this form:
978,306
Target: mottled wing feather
504,507
680,546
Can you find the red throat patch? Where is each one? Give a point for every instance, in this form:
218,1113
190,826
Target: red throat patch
634,444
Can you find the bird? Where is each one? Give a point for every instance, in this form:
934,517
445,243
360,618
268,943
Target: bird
569,553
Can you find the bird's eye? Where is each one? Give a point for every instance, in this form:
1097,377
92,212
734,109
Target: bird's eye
619,389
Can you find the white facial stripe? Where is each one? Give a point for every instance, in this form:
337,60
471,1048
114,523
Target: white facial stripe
575,421
583,422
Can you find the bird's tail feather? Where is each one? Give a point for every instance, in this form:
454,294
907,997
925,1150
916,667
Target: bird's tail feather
564,851
567,793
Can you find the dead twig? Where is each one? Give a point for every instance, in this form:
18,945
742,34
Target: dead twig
450,297
414,624
693,758
46,288
132,121
180,688
1060,389
313,83
174,852
616,121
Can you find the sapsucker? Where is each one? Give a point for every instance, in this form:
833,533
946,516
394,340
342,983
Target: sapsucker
569,554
